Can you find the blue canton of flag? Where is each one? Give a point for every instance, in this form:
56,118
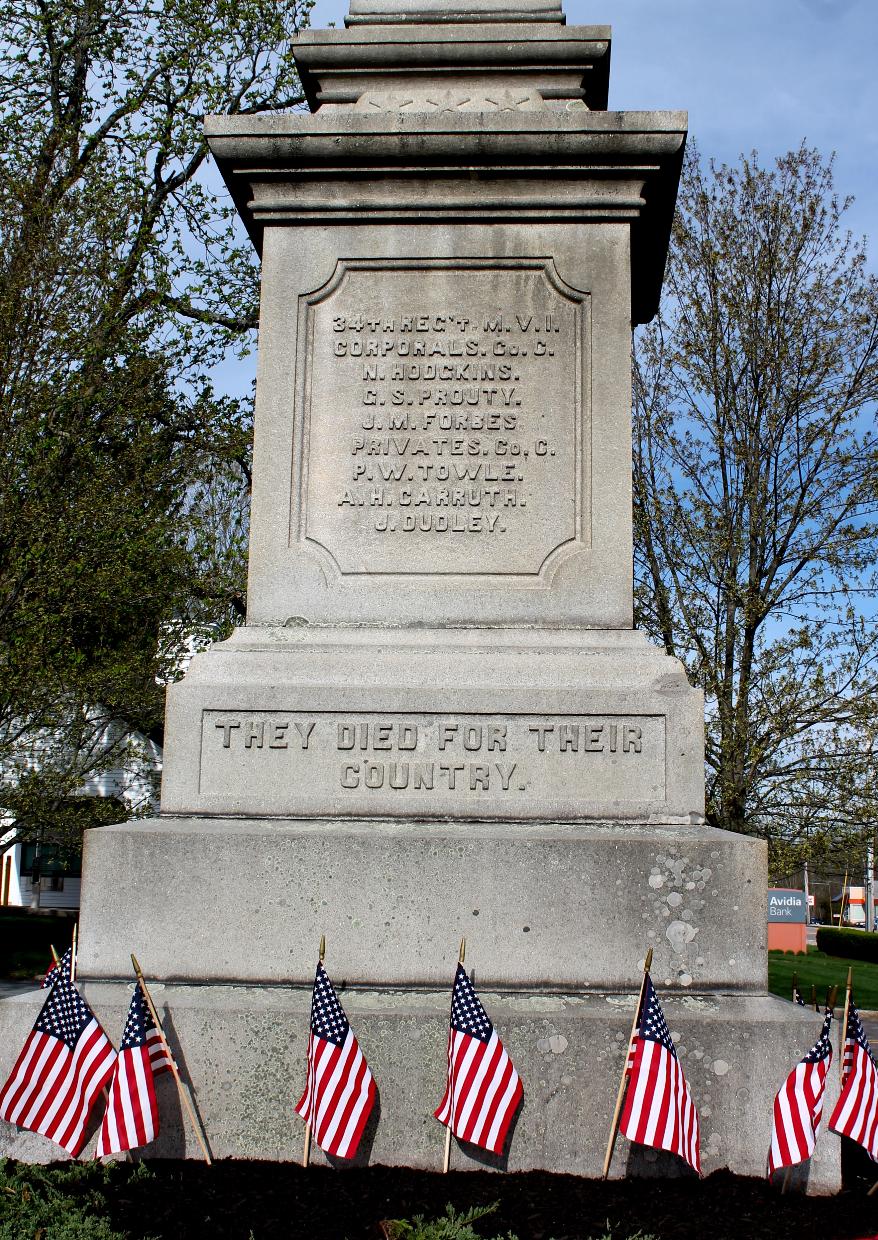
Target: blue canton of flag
467,1014
328,1020
65,1014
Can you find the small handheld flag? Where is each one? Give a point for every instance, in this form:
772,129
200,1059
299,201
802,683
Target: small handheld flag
483,1089
132,1117
798,1105
856,1112
64,1064
659,1110
339,1090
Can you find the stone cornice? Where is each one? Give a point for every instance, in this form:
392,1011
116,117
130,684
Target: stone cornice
479,167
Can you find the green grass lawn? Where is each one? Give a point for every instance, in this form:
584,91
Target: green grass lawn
822,971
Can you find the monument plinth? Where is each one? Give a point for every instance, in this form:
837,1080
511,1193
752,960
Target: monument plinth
439,720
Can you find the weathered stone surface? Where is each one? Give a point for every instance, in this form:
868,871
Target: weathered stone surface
550,906
464,724
243,1048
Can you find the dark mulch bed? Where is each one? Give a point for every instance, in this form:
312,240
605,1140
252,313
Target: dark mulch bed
273,1201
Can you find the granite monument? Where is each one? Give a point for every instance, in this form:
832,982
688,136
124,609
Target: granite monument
439,720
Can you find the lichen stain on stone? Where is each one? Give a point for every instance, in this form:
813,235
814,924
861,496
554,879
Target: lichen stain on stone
679,934
695,1003
623,1003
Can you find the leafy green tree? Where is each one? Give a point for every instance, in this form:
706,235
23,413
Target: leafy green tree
755,493
123,282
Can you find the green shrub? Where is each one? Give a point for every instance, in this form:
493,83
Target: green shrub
851,944
452,1226
67,1202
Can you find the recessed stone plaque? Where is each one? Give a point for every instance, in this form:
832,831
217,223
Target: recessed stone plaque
443,414
429,764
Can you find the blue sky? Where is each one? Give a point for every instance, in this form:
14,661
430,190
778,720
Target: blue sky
758,74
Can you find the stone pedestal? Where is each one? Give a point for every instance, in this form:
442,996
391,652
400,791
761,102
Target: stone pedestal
243,1048
439,720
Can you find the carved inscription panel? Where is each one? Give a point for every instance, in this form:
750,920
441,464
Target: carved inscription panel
443,413
432,764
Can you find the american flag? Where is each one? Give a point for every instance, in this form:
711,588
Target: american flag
856,1112
339,1090
798,1107
131,1118
797,997
56,968
658,1109
64,1064
483,1089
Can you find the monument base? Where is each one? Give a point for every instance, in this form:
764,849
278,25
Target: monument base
243,1049
545,906
225,916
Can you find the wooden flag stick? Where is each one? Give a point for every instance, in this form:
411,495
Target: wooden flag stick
446,1160
73,951
184,1097
844,1024
831,996
620,1096
814,997
795,986
54,953
306,1151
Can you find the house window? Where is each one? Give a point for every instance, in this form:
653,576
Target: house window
56,883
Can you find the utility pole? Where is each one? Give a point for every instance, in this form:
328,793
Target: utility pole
870,885
807,892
